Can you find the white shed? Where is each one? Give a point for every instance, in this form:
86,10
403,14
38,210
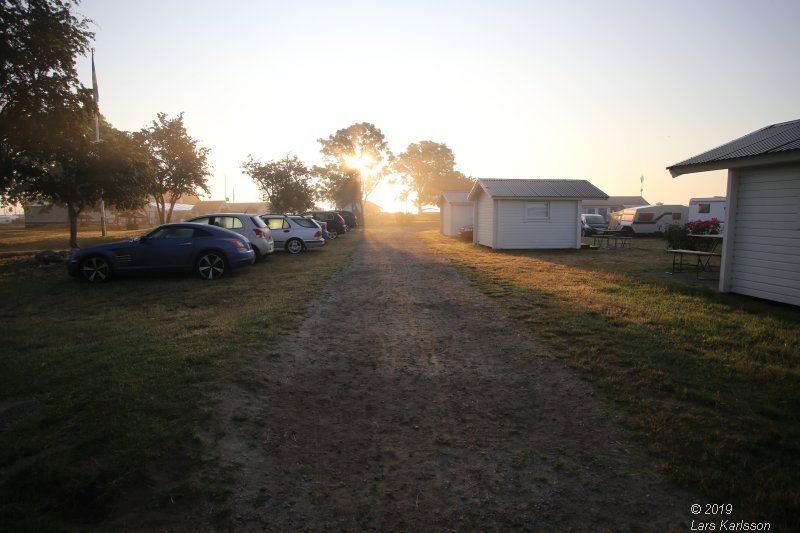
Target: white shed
761,247
529,213
455,212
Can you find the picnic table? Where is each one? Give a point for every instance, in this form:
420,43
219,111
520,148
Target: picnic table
608,237
711,243
699,260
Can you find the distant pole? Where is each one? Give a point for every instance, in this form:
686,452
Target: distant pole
641,190
96,97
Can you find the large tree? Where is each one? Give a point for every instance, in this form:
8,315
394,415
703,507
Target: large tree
39,41
360,147
337,186
48,151
75,171
179,165
427,168
285,184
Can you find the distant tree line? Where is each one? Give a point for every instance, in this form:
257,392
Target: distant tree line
50,153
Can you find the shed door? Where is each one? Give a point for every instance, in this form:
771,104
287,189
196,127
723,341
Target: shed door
766,248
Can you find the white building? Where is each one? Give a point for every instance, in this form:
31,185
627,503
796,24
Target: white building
761,247
529,213
455,212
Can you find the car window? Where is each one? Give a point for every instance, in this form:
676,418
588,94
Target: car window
203,220
277,223
306,223
202,233
229,223
172,233
258,221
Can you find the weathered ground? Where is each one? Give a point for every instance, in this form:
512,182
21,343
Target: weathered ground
406,402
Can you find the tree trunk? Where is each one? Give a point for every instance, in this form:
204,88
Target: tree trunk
73,213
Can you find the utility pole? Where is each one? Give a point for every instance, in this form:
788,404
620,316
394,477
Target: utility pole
96,96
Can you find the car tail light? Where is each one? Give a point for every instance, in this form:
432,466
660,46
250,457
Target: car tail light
318,234
260,233
239,244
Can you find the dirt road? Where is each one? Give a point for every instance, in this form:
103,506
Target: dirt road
406,402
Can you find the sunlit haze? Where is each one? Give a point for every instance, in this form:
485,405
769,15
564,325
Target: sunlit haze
605,91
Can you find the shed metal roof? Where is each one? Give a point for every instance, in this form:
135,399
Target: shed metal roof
537,188
775,140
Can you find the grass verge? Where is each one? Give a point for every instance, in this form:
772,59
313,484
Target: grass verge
98,381
709,382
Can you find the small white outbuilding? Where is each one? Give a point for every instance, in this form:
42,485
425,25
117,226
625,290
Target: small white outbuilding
529,213
761,244
455,212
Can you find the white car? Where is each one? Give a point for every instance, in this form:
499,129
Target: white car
294,233
249,226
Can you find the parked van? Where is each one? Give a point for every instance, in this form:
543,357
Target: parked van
708,208
648,218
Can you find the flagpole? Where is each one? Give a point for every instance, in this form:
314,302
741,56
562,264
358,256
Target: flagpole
96,97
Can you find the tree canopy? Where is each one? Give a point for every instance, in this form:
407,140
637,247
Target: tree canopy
360,147
39,41
285,184
427,168
48,151
178,165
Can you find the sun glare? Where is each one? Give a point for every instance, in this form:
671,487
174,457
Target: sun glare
363,163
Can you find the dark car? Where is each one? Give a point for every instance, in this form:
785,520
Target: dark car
208,251
593,225
335,222
349,217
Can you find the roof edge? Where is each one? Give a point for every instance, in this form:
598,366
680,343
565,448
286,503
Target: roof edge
728,164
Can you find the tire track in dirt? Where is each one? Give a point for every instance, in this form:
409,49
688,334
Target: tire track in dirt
406,401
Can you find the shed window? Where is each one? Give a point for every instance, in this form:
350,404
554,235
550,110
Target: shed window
537,210
703,208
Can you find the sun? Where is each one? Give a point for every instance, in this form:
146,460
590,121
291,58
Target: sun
387,196
363,163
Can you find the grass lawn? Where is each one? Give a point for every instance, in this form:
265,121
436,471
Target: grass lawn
98,381
709,382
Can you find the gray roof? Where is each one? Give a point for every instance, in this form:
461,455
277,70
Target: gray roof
537,188
776,143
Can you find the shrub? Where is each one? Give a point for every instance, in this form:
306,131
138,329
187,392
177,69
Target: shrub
703,227
677,237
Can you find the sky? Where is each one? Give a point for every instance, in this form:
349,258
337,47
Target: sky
608,91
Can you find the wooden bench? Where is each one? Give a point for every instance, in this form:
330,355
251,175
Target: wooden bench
703,259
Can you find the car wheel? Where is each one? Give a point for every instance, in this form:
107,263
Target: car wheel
333,233
95,269
294,246
211,265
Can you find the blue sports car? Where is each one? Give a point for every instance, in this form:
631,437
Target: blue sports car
183,247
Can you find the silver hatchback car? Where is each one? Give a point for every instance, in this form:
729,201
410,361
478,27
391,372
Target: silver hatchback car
249,226
294,233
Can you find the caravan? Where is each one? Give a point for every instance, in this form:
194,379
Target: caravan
648,218
708,208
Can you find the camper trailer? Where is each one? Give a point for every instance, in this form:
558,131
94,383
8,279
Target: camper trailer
708,208
648,218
